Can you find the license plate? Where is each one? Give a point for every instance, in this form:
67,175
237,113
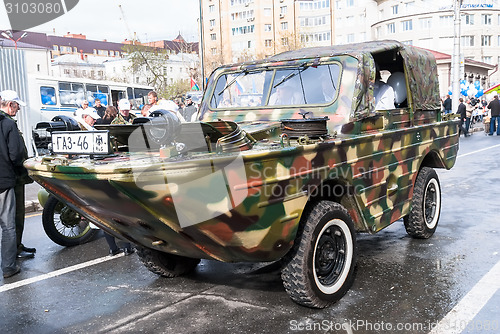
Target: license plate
80,142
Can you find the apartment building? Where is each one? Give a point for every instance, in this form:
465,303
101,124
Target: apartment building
241,30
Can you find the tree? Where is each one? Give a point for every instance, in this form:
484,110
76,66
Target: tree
148,62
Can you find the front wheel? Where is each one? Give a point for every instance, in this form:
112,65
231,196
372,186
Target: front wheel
320,268
423,218
165,264
65,226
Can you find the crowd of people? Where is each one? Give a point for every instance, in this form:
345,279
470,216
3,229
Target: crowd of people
14,177
473,110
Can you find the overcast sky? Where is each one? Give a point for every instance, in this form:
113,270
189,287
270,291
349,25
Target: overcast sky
102,19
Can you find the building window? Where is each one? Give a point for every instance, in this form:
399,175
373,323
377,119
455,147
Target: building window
283,10
55,47
488,60
212,23
468,19
350,38
410,42
284,41
378,32
95,51
211,8
391,28
338,4
66,49
425,23
267,12
407,25
349,21
213,37
486,19
409,6
349,3
284,25
267,27
214,51
268,43
486,40
446,20
467,40
395,9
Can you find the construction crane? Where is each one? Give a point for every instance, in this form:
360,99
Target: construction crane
133,37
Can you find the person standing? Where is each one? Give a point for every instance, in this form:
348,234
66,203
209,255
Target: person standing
124,116
109,115
189,110
447,105
462,111
101,110
11,106
12,153
494,107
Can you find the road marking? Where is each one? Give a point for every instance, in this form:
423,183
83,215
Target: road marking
33,215
471,304
7,287
481,150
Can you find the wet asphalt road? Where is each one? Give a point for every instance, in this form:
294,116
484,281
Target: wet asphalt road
400,281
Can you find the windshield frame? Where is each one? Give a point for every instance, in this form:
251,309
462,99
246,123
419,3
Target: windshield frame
271,82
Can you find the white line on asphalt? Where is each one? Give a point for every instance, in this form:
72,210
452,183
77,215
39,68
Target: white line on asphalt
7,287
481,150
470,305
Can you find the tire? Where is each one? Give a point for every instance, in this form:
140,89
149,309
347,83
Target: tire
423,218
165,264
320,268
65,226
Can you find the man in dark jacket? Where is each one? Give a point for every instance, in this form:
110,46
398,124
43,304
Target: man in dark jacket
494,106
447,105
11,106
462,111
189,110
11,157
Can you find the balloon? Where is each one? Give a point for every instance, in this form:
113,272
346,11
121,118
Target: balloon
450,92
480,92
398,83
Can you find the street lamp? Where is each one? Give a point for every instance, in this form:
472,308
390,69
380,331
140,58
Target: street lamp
8,35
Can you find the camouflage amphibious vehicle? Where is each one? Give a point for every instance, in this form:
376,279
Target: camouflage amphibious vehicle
289,160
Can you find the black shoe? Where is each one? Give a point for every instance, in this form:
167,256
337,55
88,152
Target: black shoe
12,273
128,251
28,249
115,252
25,255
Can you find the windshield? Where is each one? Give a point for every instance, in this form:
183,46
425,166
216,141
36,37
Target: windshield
277,87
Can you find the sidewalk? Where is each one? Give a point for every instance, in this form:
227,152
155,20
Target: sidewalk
31,197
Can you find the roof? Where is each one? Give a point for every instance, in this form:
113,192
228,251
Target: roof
22,45
328,51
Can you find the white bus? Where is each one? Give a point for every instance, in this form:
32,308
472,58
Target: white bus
62,96
51,96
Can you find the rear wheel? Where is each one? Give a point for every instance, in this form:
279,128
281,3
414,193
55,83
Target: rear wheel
320,268
423,218
65,226
165,264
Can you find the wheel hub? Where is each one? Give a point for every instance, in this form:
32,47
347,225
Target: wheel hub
330,256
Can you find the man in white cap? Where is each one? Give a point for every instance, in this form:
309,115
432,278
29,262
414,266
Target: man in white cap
88,118
124,116
12,155
11,99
